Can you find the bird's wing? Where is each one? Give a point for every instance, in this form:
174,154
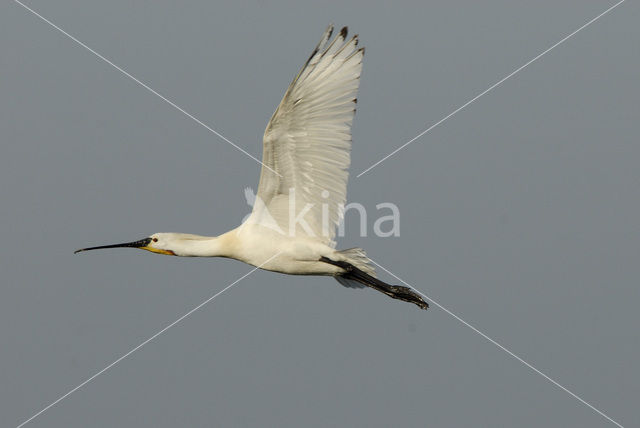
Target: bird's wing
308,142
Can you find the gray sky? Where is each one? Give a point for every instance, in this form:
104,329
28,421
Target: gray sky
519,214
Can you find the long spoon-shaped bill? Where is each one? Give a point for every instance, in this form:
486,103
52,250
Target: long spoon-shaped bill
136,244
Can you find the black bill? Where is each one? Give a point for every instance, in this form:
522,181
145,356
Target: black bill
136,244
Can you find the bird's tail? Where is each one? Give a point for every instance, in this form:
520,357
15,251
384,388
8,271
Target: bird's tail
358,258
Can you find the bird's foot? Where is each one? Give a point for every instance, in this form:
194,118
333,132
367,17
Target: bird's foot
408,295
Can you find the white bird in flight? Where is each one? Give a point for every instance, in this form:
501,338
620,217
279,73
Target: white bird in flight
303,182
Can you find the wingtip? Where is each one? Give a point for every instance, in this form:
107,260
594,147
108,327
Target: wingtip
343,32
329,30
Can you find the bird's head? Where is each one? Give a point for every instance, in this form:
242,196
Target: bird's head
160,243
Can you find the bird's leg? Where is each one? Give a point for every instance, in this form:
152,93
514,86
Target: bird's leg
394,291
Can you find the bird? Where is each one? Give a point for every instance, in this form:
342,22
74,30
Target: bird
303,183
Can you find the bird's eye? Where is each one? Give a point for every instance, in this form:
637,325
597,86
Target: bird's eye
155,239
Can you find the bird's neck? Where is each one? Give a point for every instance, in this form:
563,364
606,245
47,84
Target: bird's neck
206,246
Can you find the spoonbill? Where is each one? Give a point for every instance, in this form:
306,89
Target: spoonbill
303,182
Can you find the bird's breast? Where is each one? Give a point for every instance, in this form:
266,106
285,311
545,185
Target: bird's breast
279,253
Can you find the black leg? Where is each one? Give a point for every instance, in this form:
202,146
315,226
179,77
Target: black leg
394,291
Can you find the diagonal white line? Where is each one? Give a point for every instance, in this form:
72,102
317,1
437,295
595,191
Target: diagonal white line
601,413
145,342
171,103
490,88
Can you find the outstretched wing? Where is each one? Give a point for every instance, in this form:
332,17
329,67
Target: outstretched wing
308,142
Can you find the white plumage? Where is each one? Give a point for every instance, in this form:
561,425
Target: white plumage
308,140
303,183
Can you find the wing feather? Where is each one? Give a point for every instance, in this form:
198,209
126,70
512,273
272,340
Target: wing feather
308,140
